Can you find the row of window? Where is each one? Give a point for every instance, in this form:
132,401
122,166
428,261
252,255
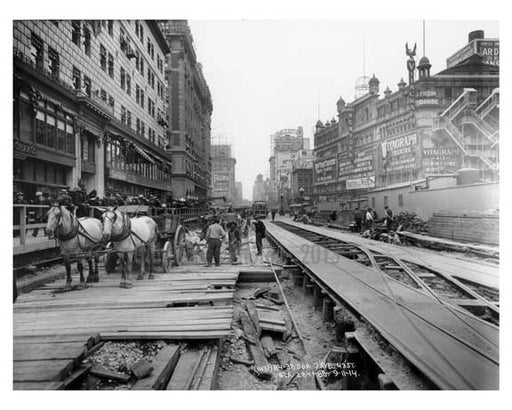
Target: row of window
130,161
54,133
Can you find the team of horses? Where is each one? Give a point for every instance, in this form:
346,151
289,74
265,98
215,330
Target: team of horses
82,238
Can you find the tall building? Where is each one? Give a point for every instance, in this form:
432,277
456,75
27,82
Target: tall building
238,193
302,176
223,172
189,113
89,107
260,189
285,145
435,125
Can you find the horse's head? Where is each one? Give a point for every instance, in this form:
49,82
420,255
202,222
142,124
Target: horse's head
54,220
109,218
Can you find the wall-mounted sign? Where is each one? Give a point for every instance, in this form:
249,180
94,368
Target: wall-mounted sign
361,183
360,167
23,149
426,97
488,49
400,145
325,170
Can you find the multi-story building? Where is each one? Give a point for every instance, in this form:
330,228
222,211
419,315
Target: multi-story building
223,172
189,113
302,175
89,106
260,189
285,145
238,193
435,125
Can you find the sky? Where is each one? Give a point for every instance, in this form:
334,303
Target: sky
266,75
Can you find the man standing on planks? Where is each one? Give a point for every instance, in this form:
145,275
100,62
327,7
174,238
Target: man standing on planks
214,236
259,228
389,218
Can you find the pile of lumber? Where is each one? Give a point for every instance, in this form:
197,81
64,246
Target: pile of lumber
476,227
409,221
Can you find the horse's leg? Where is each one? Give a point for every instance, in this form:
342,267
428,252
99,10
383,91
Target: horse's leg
142,252
80,268
68,271
129,262
150,250
122,264
91,273
96,276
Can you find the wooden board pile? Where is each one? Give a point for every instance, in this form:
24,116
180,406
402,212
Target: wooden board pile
476,227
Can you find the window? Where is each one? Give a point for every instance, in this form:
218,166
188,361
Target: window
142,129
77,78
128,84
110,65
37,51
103,58
103,95
75,32
53,63
137,94
70,139
110,25
61,135
137,126
40,128
87,41
123,115
129,119
142,99
87,86
111,101
400,200
123,79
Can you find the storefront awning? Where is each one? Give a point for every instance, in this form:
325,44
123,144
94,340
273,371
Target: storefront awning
143,153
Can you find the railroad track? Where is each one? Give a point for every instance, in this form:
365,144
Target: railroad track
443,327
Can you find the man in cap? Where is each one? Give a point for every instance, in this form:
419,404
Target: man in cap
259,229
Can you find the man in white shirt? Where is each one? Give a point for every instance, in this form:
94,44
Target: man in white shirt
214,236
368,218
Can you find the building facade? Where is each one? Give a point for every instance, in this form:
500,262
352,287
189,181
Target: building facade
302,175
223,172
434,125
189,113
89,107
285,147
260,189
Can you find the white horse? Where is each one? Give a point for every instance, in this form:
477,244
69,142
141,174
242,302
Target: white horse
130,235
76,236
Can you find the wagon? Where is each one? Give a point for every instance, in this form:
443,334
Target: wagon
170,245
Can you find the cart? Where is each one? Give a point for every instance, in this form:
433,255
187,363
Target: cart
170,244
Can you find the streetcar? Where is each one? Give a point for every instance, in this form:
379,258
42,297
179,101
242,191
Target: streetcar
260,209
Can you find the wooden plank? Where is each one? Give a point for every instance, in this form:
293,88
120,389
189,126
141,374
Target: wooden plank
200,335
251,309
38,386
248,327
181,374
104,373
41,370
164,364
210,375
51,351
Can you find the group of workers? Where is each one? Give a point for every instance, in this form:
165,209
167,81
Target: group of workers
365,221
216,231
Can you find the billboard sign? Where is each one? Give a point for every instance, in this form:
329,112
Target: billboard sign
361,183
325,170
488,49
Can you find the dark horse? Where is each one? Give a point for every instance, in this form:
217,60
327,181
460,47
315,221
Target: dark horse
76,236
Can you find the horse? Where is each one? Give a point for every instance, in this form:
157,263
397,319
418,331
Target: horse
76,235
130,235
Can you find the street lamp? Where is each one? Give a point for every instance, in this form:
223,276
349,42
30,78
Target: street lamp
301,194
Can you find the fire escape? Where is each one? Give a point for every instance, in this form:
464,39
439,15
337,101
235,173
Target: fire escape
474,129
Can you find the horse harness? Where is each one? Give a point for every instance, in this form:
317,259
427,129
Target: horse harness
126,231
76,225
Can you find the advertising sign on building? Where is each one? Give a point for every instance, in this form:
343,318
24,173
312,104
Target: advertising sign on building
220,181
361,183
488,49
398,153
325,170
438,160
426,97
360,167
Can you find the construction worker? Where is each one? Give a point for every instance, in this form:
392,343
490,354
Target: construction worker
214,236
259,228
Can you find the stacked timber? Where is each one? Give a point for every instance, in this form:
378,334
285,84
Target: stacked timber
476,227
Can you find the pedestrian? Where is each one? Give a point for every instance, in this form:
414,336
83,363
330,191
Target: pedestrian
234,238
259,228
368,219
40,212
389,218
214,236
358,219
64,199
273,212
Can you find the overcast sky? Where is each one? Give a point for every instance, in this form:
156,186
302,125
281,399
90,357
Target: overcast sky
266,75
